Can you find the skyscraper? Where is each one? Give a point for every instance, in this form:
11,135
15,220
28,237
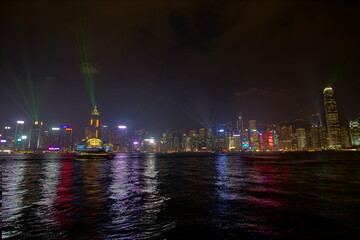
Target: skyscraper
355,133
332,118
123,138
270,140
254,136
51,138
65,138
301,138
19,140
252,124
241,132
35,133
104,133
92,131
19,129
319,137
285,137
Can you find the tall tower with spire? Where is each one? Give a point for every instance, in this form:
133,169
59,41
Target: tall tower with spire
332,118
92,131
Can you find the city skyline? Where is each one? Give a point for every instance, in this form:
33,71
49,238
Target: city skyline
307,116
176,65
234,136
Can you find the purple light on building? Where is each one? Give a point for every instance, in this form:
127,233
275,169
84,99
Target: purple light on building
53,148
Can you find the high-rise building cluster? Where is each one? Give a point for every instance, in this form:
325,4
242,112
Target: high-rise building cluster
36,138
235,136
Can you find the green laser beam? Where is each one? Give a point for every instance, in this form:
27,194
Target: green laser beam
299,112
33,98
87,68
342,67
26,92
30,83
22,95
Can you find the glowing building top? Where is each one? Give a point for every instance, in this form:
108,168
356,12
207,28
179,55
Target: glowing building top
328,90
95,112
94,143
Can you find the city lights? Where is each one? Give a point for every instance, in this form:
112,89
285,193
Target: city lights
150,140
53,148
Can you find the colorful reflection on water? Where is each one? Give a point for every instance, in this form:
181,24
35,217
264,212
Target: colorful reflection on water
177,196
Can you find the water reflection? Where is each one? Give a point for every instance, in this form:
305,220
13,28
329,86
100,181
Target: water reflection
91,198
65,198
240,189
12,197
265,180
48,194
118,193
146,196
154,202
135,199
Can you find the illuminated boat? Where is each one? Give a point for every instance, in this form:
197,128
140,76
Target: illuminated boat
93,149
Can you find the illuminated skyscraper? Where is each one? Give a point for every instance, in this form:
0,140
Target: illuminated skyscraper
35,133
252,124
65,138
7,133
301,138
319,137
332,118
194,141
254,136
104,133
202,132
6,136
355,133
232,146
241,132
285,137
51,138
19,140
123,138
92,131
19,130
270,140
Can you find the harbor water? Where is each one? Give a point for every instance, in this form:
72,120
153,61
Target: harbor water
181,196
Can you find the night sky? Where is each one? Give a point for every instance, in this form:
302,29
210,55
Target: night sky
178,63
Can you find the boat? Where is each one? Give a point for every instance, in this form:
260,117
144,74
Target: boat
93,149
94,155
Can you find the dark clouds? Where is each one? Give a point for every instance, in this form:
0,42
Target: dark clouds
178,63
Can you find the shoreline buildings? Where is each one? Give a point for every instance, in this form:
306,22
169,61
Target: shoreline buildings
236,136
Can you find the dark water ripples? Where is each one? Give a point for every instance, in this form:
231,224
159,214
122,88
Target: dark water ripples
179,196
